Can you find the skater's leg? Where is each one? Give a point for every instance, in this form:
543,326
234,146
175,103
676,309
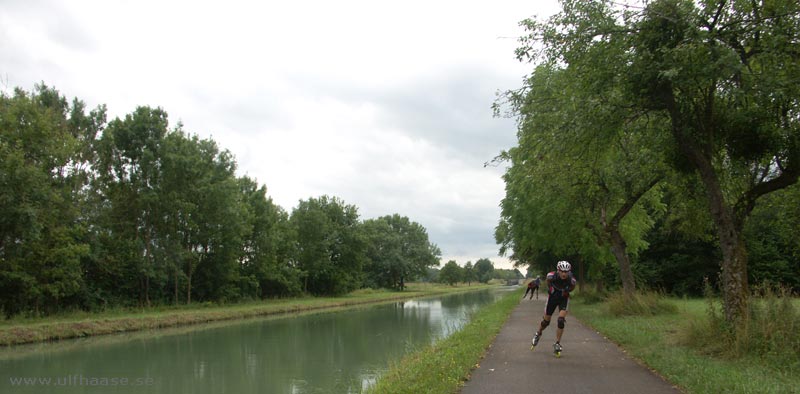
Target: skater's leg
562,315
545,322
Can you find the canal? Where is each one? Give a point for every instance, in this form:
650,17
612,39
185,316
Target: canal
333,352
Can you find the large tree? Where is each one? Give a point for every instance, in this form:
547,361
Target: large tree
45,148
724,74
451,273
266,255
398,250
126,195
583,174
169,206
330,246
484,270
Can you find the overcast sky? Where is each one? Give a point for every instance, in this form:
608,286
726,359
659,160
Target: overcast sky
384,104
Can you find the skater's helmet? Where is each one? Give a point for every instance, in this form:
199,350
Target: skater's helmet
563,266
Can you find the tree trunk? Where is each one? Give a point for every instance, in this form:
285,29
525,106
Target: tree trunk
149,261
734,260
189,288
734,257
581,274
147,290
176,284
618,248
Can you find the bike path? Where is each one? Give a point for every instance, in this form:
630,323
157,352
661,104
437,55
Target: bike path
589,363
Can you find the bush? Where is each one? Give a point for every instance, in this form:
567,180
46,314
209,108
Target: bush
771,331
642,303
591,295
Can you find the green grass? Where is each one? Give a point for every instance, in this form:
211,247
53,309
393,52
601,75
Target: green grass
81,324
444,366
660,341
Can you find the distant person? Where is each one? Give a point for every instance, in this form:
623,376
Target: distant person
533,286
559,284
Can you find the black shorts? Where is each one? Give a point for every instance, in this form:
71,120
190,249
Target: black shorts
554,301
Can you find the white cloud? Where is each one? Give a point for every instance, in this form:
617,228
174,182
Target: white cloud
385,105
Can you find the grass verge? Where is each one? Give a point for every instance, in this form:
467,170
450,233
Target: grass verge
83,324
659,341
443,366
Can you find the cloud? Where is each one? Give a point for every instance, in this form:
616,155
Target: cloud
385,105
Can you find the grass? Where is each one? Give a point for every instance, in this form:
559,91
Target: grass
81,324
772,330
639,304
444,366
665,342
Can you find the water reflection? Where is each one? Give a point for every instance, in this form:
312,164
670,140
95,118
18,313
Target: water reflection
341,352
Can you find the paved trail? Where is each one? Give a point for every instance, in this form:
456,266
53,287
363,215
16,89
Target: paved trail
588,364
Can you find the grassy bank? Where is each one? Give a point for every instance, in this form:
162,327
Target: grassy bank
82,324
445,365
662,342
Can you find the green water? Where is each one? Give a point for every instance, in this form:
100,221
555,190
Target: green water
336,352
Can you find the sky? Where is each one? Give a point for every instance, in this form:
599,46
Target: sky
384,104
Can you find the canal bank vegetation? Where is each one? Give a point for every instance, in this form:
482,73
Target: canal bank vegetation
444,366
688,341
83,324
97,215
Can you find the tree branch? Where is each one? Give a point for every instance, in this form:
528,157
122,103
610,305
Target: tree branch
747,202
632,200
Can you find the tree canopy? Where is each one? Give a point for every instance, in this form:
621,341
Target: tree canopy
134,211
716,79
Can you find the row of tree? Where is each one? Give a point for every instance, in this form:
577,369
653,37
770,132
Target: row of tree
133,212
647,135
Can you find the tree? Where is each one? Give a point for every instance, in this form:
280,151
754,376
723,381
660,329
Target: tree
484,270
45,149
330,246
584,174
215,236
469,273
451,273
265,259
169,206
723,73
772,242
398,250
126,192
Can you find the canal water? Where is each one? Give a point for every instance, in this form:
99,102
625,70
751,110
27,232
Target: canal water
333,352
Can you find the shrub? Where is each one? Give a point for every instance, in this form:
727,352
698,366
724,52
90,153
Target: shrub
771,331
642,303
590,295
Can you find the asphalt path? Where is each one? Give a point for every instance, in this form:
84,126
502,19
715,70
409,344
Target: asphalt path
589,363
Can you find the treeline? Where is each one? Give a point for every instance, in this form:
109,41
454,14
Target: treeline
481,272
131,212
658,146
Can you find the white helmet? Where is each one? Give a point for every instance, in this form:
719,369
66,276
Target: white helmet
563,266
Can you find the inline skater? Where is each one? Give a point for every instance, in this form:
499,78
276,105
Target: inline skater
559,284
533,286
